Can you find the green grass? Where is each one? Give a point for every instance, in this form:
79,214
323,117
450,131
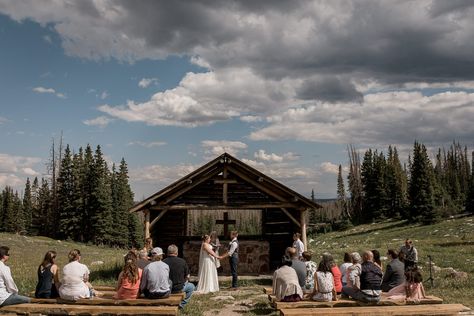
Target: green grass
450,243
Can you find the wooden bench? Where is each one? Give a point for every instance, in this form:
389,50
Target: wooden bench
173,300
349,303
68,309
401,310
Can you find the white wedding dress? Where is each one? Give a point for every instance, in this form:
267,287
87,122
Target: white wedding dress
207,275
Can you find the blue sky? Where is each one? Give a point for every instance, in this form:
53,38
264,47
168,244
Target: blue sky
284,86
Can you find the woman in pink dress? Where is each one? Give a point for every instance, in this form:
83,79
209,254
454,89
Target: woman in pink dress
411,290
129,279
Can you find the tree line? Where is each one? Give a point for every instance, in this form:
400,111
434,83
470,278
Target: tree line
81,200
420,190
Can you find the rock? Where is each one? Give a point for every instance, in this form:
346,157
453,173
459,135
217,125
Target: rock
223,298
458,275
97,263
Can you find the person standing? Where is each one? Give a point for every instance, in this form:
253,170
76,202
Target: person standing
298,245
234,258
155,278
179,275
411,254
8,289
215,246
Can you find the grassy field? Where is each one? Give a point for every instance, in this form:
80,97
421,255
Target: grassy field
450,243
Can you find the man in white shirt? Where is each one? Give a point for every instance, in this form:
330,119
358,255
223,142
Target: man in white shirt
298,245
8,289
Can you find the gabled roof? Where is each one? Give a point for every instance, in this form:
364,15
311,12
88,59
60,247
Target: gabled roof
226,164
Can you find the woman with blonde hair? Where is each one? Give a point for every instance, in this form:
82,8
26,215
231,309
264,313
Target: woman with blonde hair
48,277
75,278
128,286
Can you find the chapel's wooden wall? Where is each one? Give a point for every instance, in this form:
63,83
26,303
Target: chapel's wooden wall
170,229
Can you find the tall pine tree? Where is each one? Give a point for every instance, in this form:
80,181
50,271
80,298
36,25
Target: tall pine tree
65,195
27,206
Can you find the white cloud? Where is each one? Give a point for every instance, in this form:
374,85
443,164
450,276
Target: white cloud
49,91
251,118
161,174
329,167
101,121
146,82
104,95
15,169
272,157
214,148
147,145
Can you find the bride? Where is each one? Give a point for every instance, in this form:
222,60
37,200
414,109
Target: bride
207,275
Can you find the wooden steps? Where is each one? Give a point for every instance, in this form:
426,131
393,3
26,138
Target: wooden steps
173,300
68,309
400,310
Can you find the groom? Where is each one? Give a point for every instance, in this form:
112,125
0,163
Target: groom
234,258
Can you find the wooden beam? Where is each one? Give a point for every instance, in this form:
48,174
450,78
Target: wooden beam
147,224
291,217
256,184
221,206
304,239
158,218
224,186
189,187
229,181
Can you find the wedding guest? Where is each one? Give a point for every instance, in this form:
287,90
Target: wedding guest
298,245
75,278
128,287
411,289
311,268
395,272
48,277
324,290
336,273
155,278
286,287
207,274
8,289
297,264
179,275
343,267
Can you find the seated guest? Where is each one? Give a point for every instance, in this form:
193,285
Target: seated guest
311,267
411,289
324,290
179,275
297,264
395,272
155,277
370,279
75,278
142,261
353,272
343,267
48,279
8,289
336,273
286,285
128,287
377,260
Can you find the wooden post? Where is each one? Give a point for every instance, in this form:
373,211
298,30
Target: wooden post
303,229
147,223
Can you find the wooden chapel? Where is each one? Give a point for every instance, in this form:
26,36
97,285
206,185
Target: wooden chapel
227,184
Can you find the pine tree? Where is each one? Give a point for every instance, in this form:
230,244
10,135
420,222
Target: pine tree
355,185
42,219
101,201
396,184
421,187
19,223
8,210
27,206
121,200
35,213
341,194
88,184
66,208
470,195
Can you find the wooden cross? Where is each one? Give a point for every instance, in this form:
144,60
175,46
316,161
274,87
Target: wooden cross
226,223
225,182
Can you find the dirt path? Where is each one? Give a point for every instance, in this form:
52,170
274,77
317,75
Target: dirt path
237,303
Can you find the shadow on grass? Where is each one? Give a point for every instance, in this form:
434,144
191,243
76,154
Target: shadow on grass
368,231
106,273
262,309
455,244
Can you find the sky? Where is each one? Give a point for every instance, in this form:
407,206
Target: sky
285,86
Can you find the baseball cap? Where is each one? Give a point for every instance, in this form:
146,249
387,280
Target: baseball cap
157,251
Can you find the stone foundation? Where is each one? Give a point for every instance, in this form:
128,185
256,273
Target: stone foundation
254,257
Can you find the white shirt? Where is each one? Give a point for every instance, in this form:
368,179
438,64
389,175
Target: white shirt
73,286
7,285
298,244
233,246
